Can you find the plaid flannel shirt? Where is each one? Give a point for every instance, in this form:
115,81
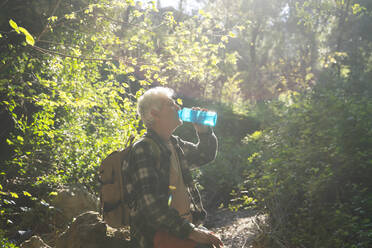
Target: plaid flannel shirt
149,184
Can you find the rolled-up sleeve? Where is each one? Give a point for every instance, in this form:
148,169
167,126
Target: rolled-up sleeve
201,153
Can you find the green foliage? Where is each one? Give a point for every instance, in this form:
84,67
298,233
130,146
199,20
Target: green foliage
29,39
68,94
311,170
4,242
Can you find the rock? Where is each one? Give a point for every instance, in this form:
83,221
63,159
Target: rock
34,242
89,231
71,202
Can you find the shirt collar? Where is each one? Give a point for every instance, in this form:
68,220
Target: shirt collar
162,144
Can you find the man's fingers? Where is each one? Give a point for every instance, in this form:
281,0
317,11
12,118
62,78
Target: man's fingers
215,240
199,108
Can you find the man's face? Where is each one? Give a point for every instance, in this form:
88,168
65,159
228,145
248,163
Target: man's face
167,117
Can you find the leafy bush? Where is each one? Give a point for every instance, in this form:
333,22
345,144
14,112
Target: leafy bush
4,242
312,172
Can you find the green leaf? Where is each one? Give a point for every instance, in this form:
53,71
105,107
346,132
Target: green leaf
27,194
241,28
14,195
70,16
29,39
224,39
357,8
345,71
52,18
53,193
256,135
14,26
136,13
309,76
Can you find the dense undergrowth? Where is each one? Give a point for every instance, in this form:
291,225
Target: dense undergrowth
311,170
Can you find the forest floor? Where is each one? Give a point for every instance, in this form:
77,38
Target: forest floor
236,229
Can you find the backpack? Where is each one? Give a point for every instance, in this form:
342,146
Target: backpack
113,200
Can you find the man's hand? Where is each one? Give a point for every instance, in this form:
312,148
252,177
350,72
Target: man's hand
205,237
198,127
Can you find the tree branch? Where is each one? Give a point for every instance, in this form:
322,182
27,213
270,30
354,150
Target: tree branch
46,51
341,23
46,26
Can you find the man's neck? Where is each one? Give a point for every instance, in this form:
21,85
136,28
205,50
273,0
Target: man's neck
163,134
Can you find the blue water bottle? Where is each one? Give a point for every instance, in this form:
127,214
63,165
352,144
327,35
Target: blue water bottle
197,116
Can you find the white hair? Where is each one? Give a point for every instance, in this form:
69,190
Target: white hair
152,99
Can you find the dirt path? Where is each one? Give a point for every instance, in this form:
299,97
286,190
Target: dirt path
236,229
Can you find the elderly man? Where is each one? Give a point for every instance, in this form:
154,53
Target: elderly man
166,204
